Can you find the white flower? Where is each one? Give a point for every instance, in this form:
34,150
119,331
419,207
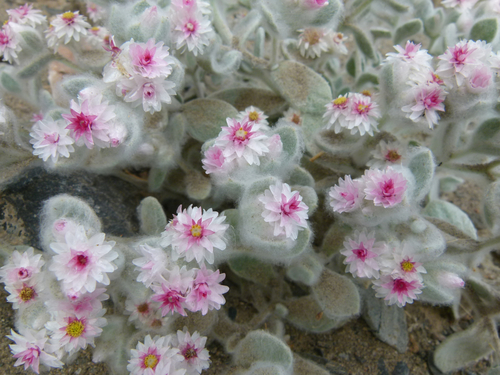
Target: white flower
151,265
337,112
21,267
255,116
150,92
312,42
397,290
387,154
428,99
347,195
362,116
400,262
362,254
192,348
51,139
25,14
412,55
9,43
70,25
190,29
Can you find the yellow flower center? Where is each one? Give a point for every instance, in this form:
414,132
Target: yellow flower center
95,28
407,266
196,230
339,101
362,107
6,22
311,36
27,293
68,16
241,134
366,93
75,328
150,361
253,116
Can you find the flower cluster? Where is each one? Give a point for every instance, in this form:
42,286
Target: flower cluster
312,42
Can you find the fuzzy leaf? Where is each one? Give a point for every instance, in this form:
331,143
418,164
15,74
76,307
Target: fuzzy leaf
152,218
74,84
156,177
35,66
300,176
422,166
140,7
244,97
485,133
252,269
491,207
485,29
380,33
306,270
450,213
398,7
350,66
367,78
434,24
9,83
404,32
449,184
289,138
364,44
32,39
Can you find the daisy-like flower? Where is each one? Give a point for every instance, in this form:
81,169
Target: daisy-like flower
363,115
387,154
312,42
9,44
23,294
83,262
171,294
61,227
83,303
362,254
449,280
241,139
32,350
141,310
255,116
151,60
151,265
90,119
21,267
75,331
150,92
95,11
336,42
214,159
190,30
196,232
206,291
411,54
192,5
428,100
70,25
385,188
347,195
397,290
52,38
25,14
155,357
51,139
284,209
293,115
192,348
400,262
336,113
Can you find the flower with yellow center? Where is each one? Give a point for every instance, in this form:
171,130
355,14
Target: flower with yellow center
241,134
150,361
75,328
68,17
253,116
196,230
27,293
407,266
340,101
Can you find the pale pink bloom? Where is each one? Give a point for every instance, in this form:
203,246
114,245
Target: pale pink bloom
83,303
151,265
83,262
196,233
449,280
110,46
95,36
61,227
336,113
206,291
192,347
51,139
362,254
37,117
386,154
117,134
362,115
255,116
284,209
9,44
400,262
70,25
95,11
312,42
397,291
411,54
21,267
274,145
347,195
293,115
151,60
52,39
385,188
462,4
155,357
32,349
192,5
241,139
428,100
25,14
140,309
480,79
75,331
90,119
150,92
336,42
190,30
172,293
24,294
213,161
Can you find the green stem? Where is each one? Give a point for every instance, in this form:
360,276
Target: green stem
220,24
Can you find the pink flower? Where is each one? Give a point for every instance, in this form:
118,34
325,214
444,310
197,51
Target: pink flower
400,262
284,209
37,117
32,349
384,188
192,348
151,60
69,25
206,291
110,46
155,357
449,280
171,294
21,267
362,115
346,196
336,113
51,139
411,54
361,254
95,11
428,100
61,227
397,290
84,303
315,4
9,44
190,29
151,264
25,14
151,92
196,233
480,79
214,160
24,294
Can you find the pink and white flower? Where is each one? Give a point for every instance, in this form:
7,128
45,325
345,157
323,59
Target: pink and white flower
449,280
480,79
61,227
151,265
214,160
397,290
314,4
347,195
172,293
192,348
82,302
362,254
37,117
151,60
192,5
70,25
190,30
312,42
51,139
32,350
150,92
206,291
83,262
293,115
337,112
9,44
21,267
363,115
196,232
336,42
385,188
25,14
95,11
24,294
400,262
387,154
412,55
284,209
255,116
428,100
140,309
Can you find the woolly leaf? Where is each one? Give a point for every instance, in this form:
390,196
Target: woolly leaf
333,240
482,139
289,138
398,7
485,29
32,39
259,42
380,33
491,207
367,78
350,66
9,83
35,66
140,7
434,24
206,117
404,32
422,166
152,218
306,270
247,25
364,44
198,187
300,176
252,269
72,85
244,97
156,177
450,213
337,295
266,368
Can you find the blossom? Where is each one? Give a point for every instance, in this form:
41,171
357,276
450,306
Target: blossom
95,11
21,267
51,139
151,264
37,117
151,60
284,209
255,116
23,294
449,280
155,357
385,188
293,115
192,5
25,14
213,161
362,254
31,350
386,154
362,115
346,196
206,291
480,79
196,233
428,100
400,262
397,290
82,262
336,42
171,293
61,227
150,92
240,139
192,348
82,302
190,29
69,25
336,113
139,309
312,42
411,54
9,43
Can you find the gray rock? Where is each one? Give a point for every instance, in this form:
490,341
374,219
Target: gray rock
382,370
401,369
